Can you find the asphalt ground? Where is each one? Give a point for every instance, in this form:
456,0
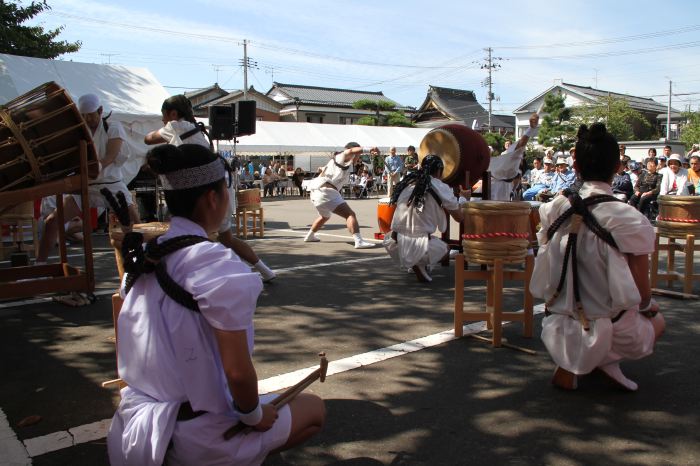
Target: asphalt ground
458,402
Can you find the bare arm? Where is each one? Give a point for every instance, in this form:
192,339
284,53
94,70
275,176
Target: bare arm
534,121
639,266
113,148
154,137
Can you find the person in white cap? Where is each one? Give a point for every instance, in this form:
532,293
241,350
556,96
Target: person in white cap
564,178
325,195
112,153
675,178
544,180
505,167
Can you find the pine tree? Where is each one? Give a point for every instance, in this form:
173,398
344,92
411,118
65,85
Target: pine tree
621,120
556,129
30,41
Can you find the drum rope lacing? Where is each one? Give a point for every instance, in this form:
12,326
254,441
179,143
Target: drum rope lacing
679,220
496,235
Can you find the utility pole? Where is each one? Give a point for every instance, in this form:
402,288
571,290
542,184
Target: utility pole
245,69
596,77
490,66
668,113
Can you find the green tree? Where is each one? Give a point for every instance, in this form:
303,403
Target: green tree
495,140
395,118
621,120
30,41
557,129
690,130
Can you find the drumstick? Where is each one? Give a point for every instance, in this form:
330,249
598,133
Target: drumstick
287,396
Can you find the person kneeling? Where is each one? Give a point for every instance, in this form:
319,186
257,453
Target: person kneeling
420,199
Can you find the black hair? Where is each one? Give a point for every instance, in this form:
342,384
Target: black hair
181,105
668,147
167,158
350,145
410,148
650,159
430,166
651,149
597,153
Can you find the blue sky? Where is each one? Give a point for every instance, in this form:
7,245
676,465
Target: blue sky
398,47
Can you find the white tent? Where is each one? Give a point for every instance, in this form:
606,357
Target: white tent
133,95
282,137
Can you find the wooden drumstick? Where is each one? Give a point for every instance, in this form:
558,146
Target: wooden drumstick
287,396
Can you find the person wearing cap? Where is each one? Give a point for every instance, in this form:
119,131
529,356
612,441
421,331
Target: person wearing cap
108,139
622,186
505,167
674,180
647,187
326,198
563,179
186,337
544,182
592,271
633,170
421,200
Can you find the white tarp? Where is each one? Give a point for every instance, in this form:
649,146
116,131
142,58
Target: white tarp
133,95
283,137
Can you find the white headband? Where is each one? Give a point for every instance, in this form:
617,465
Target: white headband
188,178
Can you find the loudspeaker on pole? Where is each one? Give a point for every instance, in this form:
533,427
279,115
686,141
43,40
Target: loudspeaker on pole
222,121
246,117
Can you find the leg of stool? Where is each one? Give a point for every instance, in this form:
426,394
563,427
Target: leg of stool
689,256
459,295
262,223
654,280
527,305
245,223
671,262
497,301
489,299
238,223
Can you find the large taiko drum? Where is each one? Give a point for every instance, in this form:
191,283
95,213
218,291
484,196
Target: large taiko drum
534,221
248,198
40,133
678,216
461,149
496,230
116,236
385,214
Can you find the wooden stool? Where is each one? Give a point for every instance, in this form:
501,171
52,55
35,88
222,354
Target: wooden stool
257,218
493,314
13,224
672,247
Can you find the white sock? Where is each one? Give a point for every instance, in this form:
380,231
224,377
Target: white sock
310,234
357,237
261,267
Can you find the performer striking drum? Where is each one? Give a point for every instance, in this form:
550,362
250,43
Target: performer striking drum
420,199
108,137
180,125
185,337
504,168
599,309
325,194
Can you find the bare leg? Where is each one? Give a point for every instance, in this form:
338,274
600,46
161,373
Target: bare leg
348,214
48,239
308,417
318,223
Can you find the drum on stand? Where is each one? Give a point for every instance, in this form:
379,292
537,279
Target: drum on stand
534,222
40,133
385,214
678,216
116,236
496,230
248,198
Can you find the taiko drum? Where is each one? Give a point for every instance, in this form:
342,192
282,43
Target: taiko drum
496,230
385,214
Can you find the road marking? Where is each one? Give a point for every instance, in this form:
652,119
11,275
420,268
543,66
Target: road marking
28,302
303,233
97,430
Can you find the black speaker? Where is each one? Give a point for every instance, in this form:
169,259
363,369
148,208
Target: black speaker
246,117
222,121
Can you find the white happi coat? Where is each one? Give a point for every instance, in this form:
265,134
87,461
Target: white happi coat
504,167
606,285
413,245
168,354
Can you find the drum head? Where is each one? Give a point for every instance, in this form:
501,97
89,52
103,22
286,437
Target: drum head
443,144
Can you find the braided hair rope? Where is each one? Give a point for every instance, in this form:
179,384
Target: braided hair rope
422,179
137,262
580,213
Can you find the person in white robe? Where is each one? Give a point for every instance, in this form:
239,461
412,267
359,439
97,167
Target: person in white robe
613,283
674,179
189,372
420,199
326,198
108,138
504,168
182,128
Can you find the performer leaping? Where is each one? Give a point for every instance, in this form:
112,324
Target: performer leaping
504,168
325,194
599,309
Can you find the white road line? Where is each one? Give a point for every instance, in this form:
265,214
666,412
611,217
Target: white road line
64,439
329,264
28,302
13,451
303,233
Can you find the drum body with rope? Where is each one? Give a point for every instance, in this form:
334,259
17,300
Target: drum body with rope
496,230
678,216
385,214
248,198
534,221
40,133
116,236
461,149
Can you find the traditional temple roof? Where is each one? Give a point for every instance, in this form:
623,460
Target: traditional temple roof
311,95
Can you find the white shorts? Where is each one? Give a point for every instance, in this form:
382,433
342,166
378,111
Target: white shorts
201,441
579,351
96,198
326,200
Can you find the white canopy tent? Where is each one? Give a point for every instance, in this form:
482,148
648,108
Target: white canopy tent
133,95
